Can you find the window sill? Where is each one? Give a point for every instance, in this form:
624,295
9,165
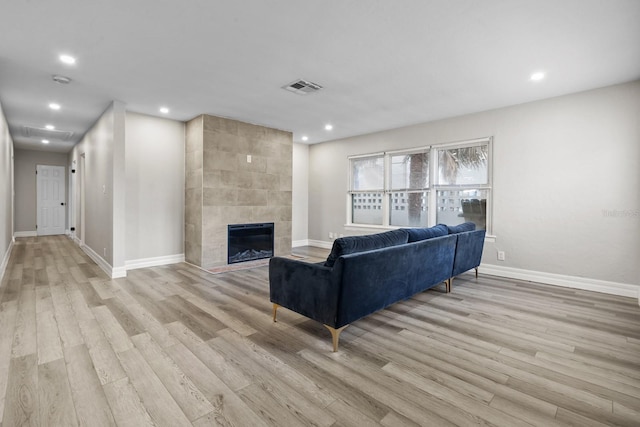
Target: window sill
359,227
356,227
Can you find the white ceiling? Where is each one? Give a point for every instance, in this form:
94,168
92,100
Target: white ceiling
383,64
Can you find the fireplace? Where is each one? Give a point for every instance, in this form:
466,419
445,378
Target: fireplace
247,242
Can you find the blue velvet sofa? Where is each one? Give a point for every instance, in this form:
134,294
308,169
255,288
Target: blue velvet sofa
469,245
468,252
364,274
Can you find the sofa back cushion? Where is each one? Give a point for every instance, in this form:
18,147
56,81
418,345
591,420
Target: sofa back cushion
417,234
375,279
461,228
353,244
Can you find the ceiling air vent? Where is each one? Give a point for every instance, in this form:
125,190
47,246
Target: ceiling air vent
40,133
302,87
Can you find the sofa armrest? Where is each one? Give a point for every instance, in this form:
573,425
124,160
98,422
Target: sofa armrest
468,251
308,289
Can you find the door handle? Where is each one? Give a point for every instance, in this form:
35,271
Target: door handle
61,203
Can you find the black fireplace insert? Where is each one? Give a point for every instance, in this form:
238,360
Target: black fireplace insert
247,242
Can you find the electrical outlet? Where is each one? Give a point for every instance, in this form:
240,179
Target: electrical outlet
104,251
500,255
331,234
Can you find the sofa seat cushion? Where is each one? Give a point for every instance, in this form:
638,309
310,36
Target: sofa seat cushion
461,228
353,244
418,234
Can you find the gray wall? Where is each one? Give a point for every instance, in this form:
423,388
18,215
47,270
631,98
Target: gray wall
25,162
133,171
119,190
154,186
6,198
559,165
99,145
300,193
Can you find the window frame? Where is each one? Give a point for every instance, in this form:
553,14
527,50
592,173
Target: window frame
351,193
389,189
432,188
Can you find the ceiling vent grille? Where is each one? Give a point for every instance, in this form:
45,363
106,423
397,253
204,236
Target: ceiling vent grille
40,133
302,87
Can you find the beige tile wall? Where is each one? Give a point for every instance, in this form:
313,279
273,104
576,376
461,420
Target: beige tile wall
193,192
224,188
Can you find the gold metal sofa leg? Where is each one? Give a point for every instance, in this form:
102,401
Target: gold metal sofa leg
275,309
335,335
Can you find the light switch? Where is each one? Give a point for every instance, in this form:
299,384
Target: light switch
248,158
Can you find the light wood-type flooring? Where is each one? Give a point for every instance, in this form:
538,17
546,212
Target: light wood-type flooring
177,346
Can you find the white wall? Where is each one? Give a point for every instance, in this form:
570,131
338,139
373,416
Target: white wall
102,145
119,189
300,194
154,187
25,162
133,186
559,164
6,192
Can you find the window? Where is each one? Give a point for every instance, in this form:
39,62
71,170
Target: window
409,174
463,184
445,183
367,175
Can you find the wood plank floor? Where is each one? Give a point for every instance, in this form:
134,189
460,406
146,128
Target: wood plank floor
176,346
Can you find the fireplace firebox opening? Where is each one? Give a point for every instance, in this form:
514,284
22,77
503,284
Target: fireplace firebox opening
248,242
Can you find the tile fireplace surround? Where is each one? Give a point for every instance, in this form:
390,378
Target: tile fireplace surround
235,173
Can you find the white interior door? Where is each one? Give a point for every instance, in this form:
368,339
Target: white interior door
71,205
83,225
50,199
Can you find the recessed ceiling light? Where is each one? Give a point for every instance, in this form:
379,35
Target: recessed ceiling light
328,127
536,77
164,110
305,138
45,141
67,59
54,106
50,127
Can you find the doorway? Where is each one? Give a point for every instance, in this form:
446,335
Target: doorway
83,225
50,200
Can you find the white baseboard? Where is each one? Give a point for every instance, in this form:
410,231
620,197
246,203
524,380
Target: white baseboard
5,260
298,243
153,262
584,283
595,285
320,244
25,233
102,263
117,272
112,272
